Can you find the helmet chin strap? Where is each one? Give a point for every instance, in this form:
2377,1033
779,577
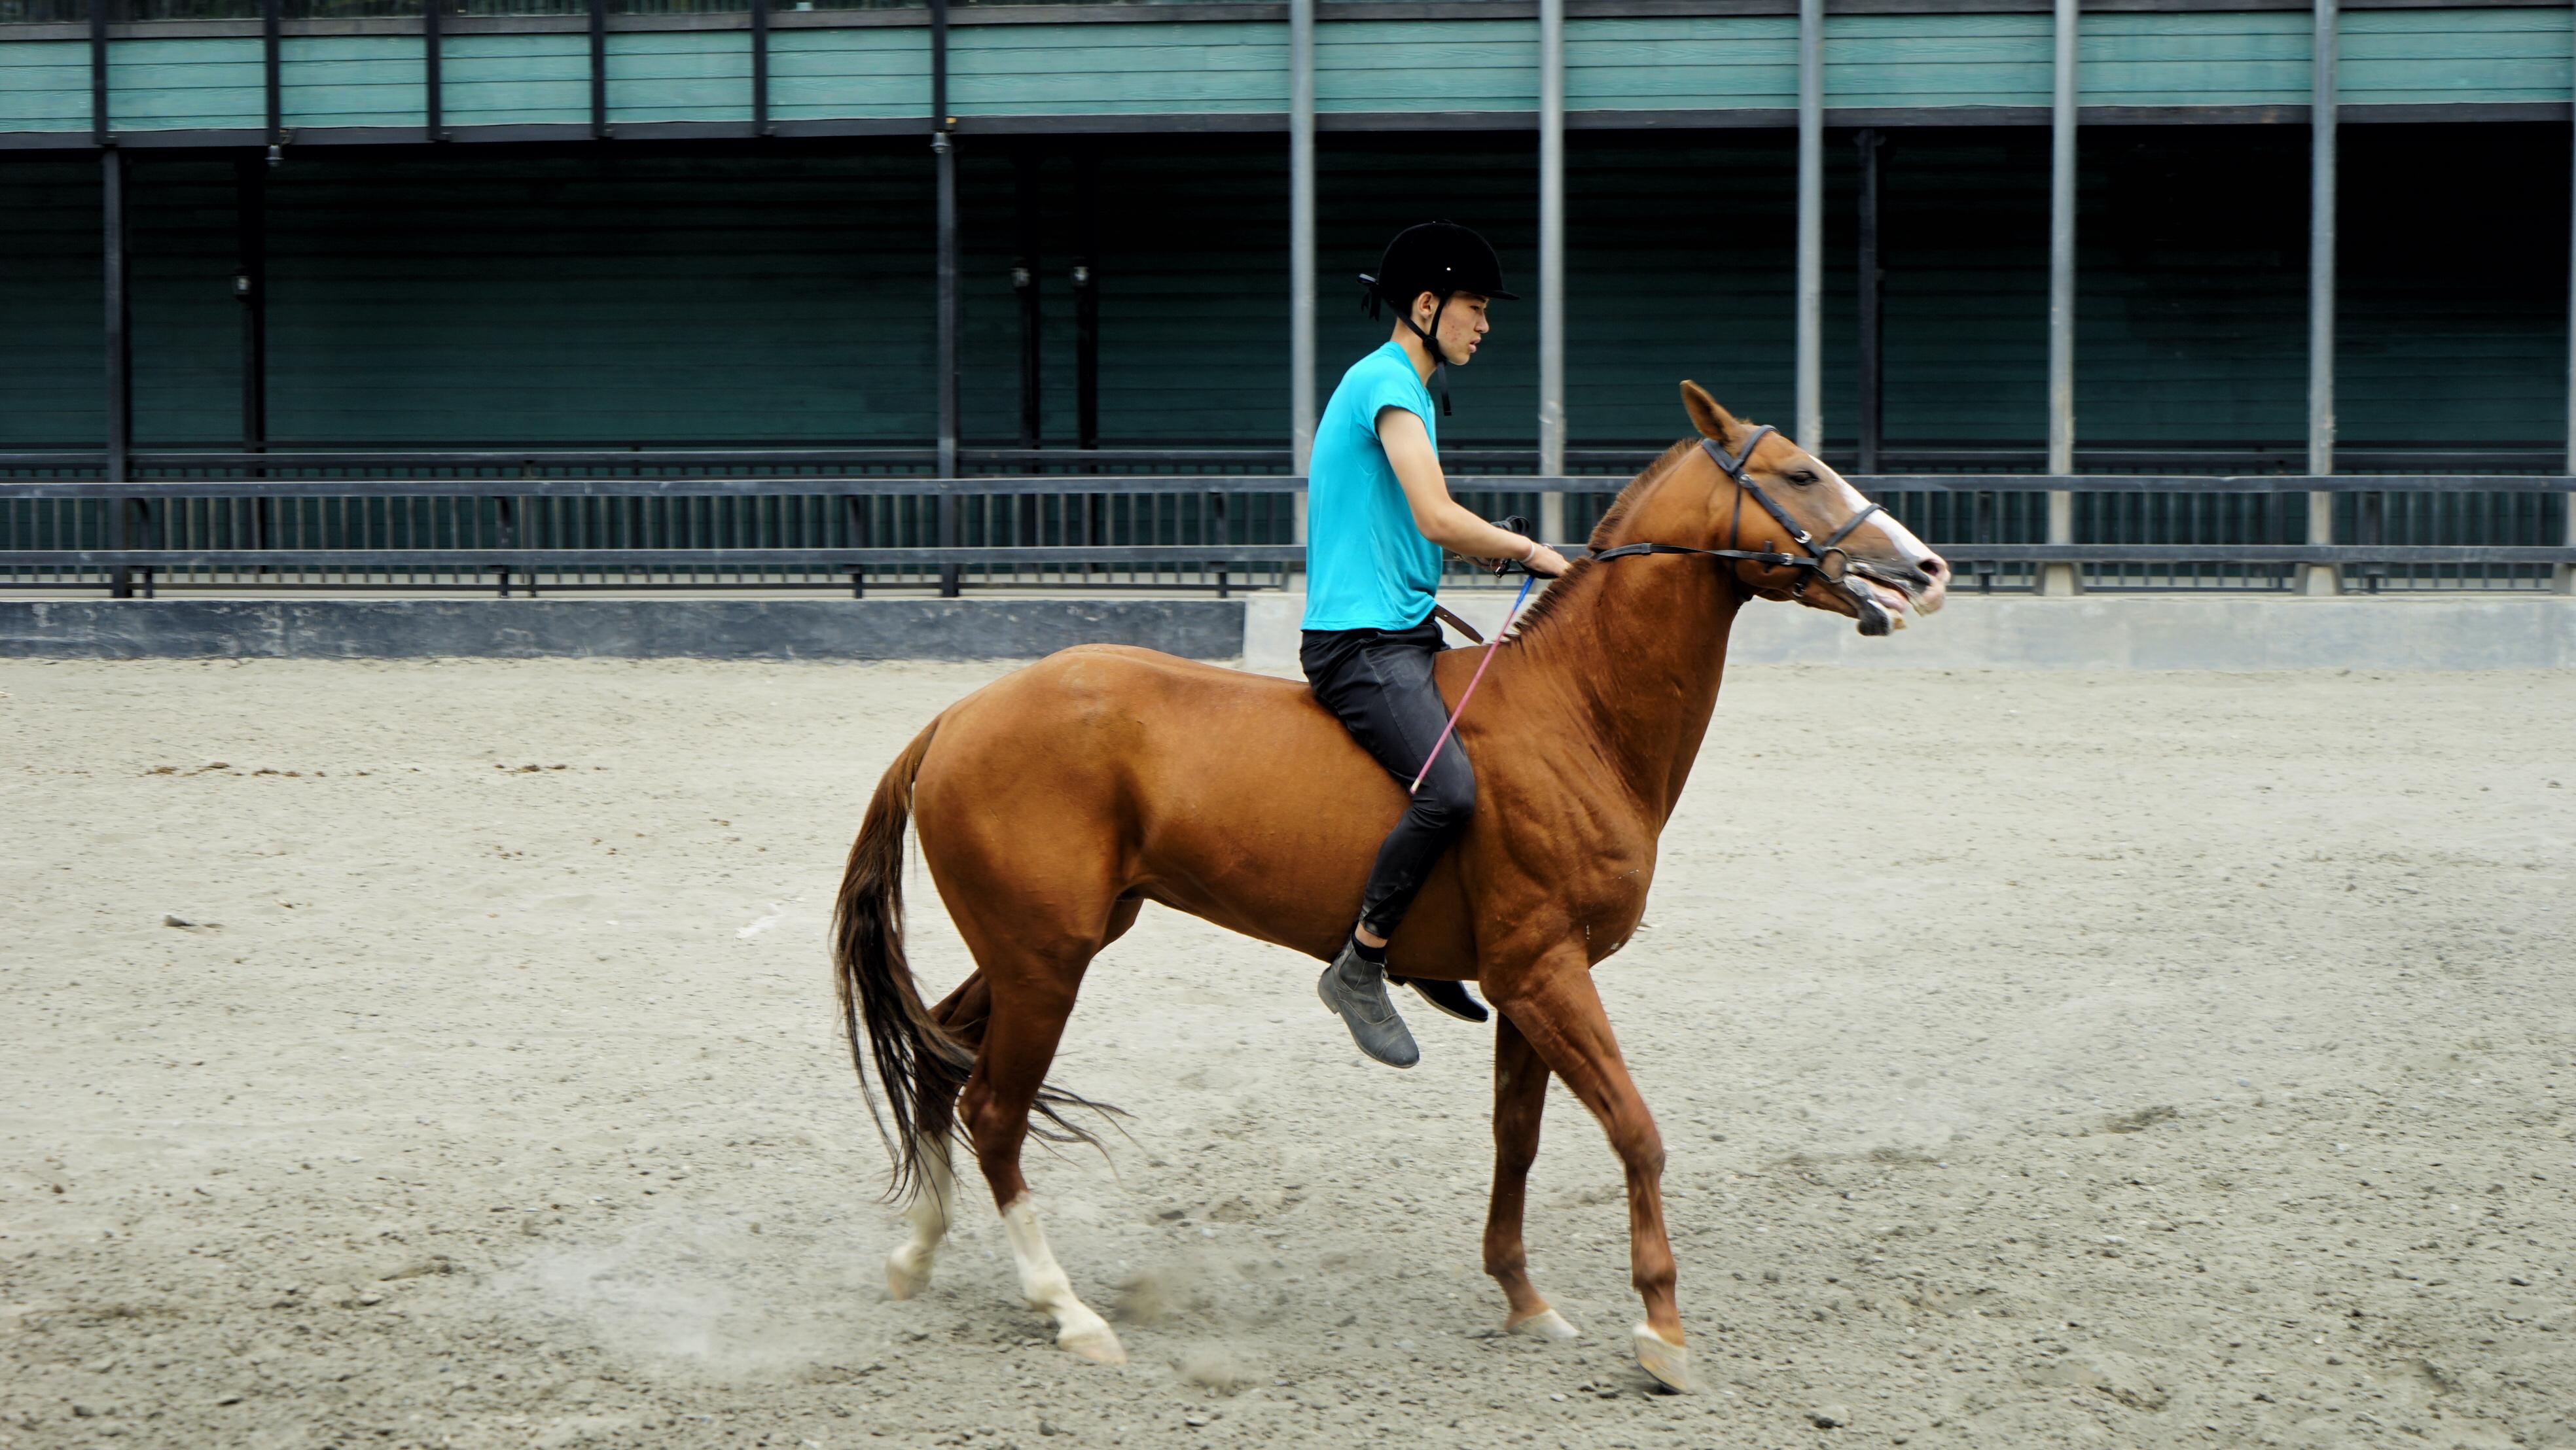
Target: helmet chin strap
1439,356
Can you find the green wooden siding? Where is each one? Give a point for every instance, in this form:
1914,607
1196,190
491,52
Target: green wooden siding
667,75
1681,63
1916,60
44,85
351,80
214,82
1426,65
516,80
2497,55
829,74
2390,56
2248,58
1018,70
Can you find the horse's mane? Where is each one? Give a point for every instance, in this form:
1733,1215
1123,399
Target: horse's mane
1555,601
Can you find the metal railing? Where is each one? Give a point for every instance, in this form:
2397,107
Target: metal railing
859,519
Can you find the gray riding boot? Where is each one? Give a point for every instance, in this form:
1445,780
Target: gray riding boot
1356,988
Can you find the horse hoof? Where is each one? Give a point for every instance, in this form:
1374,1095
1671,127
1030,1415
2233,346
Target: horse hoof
902,1280
1668,1362
1097,1343
1546,1324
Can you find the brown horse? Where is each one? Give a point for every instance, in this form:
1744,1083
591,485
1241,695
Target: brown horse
1056,801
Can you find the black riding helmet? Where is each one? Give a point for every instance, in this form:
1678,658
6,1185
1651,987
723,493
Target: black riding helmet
1442,258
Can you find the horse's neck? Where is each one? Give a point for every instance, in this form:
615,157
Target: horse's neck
1640,647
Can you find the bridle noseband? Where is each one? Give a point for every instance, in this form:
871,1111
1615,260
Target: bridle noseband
1817,562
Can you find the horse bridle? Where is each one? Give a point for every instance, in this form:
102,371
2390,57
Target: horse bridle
1818,560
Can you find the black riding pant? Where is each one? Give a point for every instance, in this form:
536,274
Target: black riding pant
1379,682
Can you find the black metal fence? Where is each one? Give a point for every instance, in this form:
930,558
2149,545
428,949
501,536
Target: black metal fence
860,519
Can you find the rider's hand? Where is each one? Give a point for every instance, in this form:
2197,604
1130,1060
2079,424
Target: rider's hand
1544,562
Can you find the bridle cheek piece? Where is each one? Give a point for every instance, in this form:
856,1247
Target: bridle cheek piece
1826,558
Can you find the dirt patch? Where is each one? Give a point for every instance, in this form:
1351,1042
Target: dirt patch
2183,1060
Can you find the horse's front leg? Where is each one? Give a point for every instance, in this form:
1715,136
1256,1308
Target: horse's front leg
1557,1009
1520,1101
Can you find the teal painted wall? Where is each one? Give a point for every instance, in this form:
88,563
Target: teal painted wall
162,84
44,85
2200,58
516,80
679,75
2454,55
2193,59
1427,65
1659,64
1012,70
351,80
825,74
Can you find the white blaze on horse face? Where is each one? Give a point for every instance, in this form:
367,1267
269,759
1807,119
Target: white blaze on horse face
1900,548
1043,1283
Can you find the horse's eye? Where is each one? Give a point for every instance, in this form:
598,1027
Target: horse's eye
1802,478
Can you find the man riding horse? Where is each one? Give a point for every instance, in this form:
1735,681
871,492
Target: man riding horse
1055,803
1378,515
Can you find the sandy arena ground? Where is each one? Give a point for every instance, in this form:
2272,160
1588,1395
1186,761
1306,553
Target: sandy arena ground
2044,1060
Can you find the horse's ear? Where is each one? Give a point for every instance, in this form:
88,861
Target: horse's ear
1705,415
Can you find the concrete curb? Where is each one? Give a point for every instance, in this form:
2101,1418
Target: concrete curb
2105,632
777,629
2096,633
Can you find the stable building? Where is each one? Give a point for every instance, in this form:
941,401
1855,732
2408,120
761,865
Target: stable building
2119,294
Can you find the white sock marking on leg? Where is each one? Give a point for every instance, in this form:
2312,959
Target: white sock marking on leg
916,1256
1042,1279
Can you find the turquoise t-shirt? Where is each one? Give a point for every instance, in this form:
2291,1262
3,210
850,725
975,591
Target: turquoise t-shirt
1367,566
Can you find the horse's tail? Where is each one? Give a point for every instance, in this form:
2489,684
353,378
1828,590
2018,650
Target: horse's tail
919,1066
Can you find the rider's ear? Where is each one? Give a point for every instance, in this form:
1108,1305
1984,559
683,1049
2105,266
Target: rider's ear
1705,415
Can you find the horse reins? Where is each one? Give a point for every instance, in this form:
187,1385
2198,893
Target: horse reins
1813,563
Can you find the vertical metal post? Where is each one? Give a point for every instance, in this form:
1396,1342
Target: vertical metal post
1092,508
1086,299
1811,224
2565,574
120,358
433,56
599,70
2322,114
1873,327
100,134
759,67
1301,253
1024,282
1025,275
1551,265
250,286
944,153
273,72
2062,578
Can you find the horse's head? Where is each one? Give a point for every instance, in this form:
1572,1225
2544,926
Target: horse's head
1882,570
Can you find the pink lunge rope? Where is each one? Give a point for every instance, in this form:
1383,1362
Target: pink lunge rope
1490,645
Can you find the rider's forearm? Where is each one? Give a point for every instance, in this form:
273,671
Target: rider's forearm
1453,527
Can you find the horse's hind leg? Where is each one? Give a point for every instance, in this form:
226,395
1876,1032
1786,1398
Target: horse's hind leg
933,1204
1032,996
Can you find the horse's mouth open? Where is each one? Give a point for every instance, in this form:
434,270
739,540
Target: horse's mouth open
1890,596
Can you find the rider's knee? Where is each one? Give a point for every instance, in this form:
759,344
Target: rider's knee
1447,803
